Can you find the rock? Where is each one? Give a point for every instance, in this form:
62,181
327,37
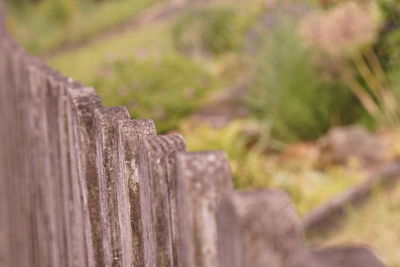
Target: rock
352,142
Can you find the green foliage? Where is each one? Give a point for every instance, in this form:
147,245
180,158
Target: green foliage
16,3
292,95
209,31
389,37
165,89
388,43
58,11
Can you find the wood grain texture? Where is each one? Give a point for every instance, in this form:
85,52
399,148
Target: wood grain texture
127,188
257,228
202,179
106,129
81,104
157,195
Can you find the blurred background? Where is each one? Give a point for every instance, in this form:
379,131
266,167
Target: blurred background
302,95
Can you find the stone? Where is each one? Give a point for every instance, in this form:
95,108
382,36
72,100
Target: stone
352,142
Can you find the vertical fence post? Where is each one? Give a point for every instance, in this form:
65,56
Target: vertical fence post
127,188
106,129
40,176
202,178
257,228
14,222
80,105
157,197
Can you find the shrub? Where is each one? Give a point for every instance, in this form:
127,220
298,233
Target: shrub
292,95
165,89
388,43
60,11
247,164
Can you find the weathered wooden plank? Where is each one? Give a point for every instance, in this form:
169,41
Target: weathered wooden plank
257,228
106,133
127,188
157,195
49,182
81,103
40,171
13,143
202,179
60,167
4,205
5,245
56,184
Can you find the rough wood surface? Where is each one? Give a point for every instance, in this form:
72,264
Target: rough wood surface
157,197
81,104
202,179
257,228
127,188
106,128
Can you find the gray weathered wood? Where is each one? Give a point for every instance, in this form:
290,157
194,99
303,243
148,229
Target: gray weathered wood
127,188
41,182
106,129
202,178
157,197
257,228
81,104
13,130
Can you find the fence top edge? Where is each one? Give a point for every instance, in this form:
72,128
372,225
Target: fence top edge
137,127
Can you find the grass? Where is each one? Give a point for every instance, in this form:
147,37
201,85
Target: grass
40,29
122,46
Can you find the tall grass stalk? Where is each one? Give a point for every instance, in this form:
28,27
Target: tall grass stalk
379,100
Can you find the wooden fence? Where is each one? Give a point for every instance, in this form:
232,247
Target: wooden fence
86,185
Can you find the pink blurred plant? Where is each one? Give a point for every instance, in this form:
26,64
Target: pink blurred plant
341,30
